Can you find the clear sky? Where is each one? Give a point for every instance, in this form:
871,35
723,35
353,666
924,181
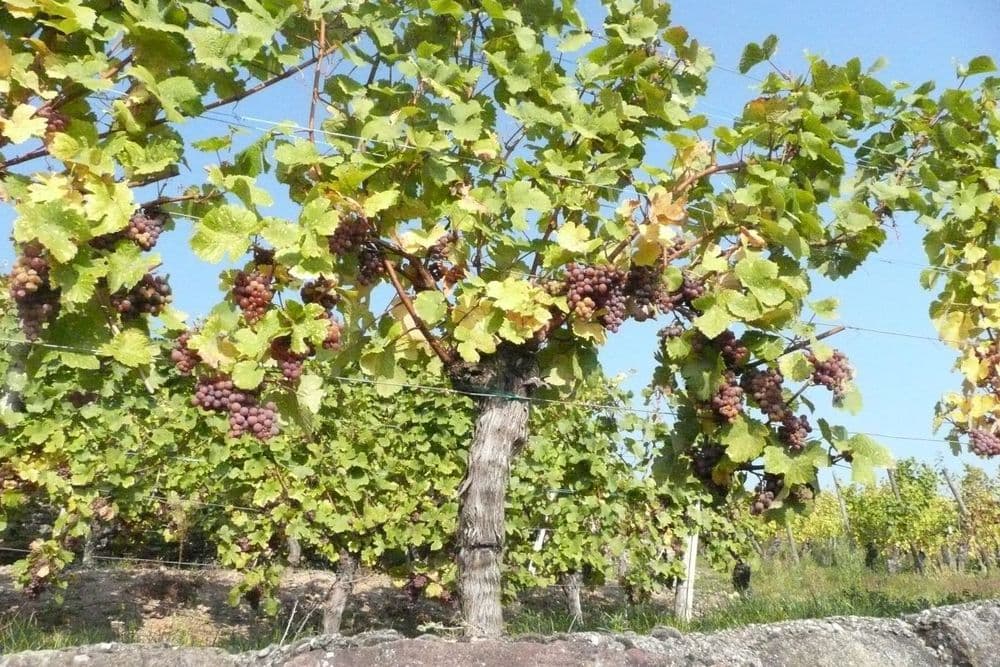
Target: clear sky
901,378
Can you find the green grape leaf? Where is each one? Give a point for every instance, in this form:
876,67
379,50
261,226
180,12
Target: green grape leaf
744,439
130,347
224,231
247,374
866,456
797,468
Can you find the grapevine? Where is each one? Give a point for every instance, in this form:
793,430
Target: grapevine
37,302
984,443
290,363
834,373
727,402
794,431
350,235
184,358
597,290
765,389
252,293
149,296
767,490
320,291
333,333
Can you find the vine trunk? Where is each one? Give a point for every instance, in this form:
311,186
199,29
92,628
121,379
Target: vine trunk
500,431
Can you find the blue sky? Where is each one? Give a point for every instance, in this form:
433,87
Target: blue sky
901,378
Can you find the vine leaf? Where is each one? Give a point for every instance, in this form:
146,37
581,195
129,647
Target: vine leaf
224,232
23,124
797,468
866,456
744,440
130,347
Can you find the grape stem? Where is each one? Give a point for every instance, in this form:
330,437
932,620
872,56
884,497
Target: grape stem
802,344
432,340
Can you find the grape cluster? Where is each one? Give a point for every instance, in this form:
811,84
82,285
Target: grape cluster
705,458
767,490
217,394
252,292
149,296
984,443
37,302
55,120
645,290
260,421
670,331
321,291
246,415
597,290
184,358
333,332
438,253
691,288
734,352
289,362
727,402
145,226
765,389
835,373
370,266
794,431
144,229
351,233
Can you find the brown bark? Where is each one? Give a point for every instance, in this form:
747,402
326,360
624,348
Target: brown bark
336,597
572,582
500,431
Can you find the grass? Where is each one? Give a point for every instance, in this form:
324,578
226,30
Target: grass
780,592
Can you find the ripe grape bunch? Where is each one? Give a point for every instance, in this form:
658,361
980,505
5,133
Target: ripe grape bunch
370,266
734,352
246,416
767,490
333,333
184,358
704,459
252,292
55,121
984,443
794,431
149,296
597,290
670,331
260,421
290,363
438,253
351,233
31,291
834,373
691,288
727,402
320,291
645,290
217,394
145,226
765,389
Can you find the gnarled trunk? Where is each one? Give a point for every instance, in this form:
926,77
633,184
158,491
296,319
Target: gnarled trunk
500,431
572,582
336,598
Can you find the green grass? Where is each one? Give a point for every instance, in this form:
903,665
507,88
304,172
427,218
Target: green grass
780,592
26,633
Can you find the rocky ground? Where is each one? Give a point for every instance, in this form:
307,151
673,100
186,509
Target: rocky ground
957,635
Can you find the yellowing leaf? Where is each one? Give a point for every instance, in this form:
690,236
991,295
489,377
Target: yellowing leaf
575,238
23,124
664,209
